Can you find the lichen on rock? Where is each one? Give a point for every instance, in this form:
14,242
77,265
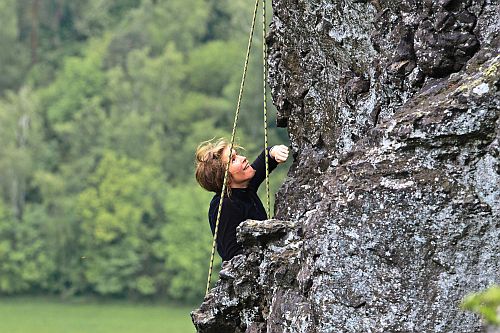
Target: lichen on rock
390,213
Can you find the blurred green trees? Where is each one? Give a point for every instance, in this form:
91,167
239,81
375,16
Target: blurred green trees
102,104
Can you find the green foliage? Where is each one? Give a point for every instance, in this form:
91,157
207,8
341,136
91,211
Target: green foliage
186,242
24,251
97,16
79,81
102,105
212,65
14,58
183,22
485,303
18,125
121,213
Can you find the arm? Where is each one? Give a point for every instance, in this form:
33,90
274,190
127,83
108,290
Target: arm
276,154
231,216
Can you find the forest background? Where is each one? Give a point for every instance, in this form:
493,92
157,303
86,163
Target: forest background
102,105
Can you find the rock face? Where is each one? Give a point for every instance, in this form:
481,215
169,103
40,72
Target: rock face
391,211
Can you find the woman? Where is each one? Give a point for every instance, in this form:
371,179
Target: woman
240,201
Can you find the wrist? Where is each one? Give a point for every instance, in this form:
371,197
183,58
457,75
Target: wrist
271,151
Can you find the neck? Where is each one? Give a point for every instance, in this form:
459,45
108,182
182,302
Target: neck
240,185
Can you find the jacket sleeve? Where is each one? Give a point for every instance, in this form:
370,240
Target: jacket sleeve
231,216
259,165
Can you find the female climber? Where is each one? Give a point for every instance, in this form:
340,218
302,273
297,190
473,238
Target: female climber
240,200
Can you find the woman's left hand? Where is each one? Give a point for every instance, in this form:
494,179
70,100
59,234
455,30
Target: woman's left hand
279,153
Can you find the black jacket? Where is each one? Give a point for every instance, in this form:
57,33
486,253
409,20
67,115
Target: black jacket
241,205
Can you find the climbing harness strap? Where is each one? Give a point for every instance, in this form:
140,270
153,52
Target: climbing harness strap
224,184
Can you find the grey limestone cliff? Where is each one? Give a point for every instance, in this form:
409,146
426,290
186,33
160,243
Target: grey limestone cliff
390,213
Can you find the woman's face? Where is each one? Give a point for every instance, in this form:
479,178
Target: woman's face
240,169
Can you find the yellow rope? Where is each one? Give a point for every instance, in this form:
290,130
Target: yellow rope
264,56
231,146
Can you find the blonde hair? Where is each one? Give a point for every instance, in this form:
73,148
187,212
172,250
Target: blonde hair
210,167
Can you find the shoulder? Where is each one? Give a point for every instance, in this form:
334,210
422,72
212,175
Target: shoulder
227,203
215,199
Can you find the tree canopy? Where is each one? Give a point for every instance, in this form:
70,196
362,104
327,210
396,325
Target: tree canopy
102,105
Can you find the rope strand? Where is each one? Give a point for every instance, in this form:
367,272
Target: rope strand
264,62
231,146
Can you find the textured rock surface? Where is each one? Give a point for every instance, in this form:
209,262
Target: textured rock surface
393,198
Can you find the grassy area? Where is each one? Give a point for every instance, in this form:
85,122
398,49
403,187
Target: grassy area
30,315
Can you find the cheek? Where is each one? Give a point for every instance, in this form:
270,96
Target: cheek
235,169
240,168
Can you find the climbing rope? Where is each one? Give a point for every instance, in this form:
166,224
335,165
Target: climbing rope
224,184
264,62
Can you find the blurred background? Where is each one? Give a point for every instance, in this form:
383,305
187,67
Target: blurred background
102,105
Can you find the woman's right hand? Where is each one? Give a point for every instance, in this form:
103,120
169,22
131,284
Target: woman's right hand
279,153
